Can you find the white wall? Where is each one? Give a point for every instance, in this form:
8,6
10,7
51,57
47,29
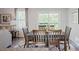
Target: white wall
34,12
32,15
75,27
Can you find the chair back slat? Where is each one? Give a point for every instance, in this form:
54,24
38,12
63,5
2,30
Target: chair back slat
54,34
39,35
67,32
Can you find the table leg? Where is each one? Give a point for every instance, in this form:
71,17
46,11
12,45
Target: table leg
65,47
47,41
59,44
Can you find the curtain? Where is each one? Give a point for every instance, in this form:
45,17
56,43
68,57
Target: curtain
20,18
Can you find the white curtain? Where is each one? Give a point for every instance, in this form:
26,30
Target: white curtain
20,18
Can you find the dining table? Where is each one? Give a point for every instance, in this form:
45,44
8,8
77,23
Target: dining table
30,37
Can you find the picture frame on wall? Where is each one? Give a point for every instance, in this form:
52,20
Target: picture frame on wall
5,18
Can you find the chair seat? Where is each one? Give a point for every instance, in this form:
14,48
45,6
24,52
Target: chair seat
62,42
39,44
31,42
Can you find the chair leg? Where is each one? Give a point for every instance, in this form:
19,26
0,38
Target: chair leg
24,45
59,45
68,45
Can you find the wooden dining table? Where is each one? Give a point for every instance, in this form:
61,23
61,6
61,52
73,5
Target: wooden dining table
30,36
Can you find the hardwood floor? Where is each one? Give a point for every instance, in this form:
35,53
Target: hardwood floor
18,43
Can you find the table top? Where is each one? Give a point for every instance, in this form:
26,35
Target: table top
31,33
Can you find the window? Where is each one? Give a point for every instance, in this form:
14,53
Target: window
20,18
49,20
75,17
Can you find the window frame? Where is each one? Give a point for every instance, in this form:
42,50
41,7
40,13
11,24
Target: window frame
49,24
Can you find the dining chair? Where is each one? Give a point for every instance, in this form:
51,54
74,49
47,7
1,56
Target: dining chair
42,27
40,38
54,37
66,37
25,31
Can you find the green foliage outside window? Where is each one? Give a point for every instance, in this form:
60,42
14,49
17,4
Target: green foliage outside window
49,20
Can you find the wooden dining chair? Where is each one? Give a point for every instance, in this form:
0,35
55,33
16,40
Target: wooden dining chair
42,27
54,37
66,37
40,37
25,31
